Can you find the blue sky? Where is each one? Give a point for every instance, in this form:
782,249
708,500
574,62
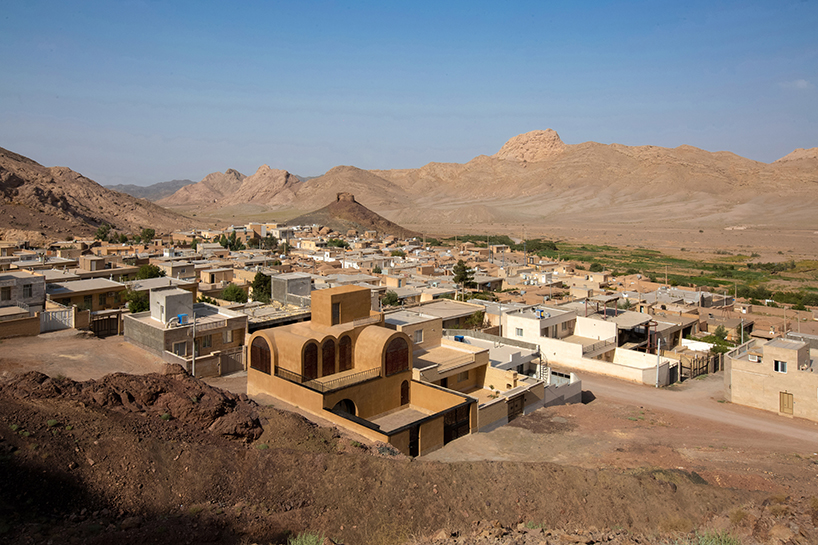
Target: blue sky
142,92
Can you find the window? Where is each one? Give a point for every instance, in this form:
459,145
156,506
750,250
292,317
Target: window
780,366
5,293
87,301
463,377
102,299
260,355
27,291
418,336
336,313
519,331
543,332
180,349
754,358
227,336
207,341
564,326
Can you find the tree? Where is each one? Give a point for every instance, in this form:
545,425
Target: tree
123,238
720,332
262,288
595,267
476,320
149,271
147,234
389,299
269,242
232,243
194,243
398,253
462,275
137,302
377,269
102,232
337,243
234,293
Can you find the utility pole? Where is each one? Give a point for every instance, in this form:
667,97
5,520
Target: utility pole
193,359
658,356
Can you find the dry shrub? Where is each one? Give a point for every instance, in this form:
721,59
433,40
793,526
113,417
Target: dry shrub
676,524
736,516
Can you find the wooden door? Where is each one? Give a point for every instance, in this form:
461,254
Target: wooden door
786,402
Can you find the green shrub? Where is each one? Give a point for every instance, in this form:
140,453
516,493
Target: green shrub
165,416
262,446
306,538
51,423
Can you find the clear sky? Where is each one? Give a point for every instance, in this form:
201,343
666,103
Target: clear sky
142,92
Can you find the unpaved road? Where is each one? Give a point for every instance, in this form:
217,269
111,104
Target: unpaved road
76,355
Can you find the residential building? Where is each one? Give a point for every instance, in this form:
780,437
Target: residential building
345,366
778,376
205,339
25,289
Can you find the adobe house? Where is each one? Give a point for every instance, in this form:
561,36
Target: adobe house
777,375
345,366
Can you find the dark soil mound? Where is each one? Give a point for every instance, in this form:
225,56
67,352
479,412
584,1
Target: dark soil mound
347,214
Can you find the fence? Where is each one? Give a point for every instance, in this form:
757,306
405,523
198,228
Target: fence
324,386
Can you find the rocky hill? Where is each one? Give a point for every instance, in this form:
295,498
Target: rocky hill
53,202
535,178
345,213
213,188
152,192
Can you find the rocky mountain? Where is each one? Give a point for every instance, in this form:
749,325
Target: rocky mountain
345,213
152,192
53,202
213,189
535,178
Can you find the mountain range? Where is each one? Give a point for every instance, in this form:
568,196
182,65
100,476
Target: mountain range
55,202
152,192
536,177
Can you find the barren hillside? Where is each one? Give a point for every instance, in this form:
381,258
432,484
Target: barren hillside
47,202
536,179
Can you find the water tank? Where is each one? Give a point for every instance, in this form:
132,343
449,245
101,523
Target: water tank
182,318
459,338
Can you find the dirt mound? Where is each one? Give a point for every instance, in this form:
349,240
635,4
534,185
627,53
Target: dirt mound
175,396
345,214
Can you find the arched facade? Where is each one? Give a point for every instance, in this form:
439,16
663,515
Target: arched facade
328,357
260,355
309,361
345,353
396,357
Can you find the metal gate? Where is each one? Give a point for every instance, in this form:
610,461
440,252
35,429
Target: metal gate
105,326
515,407
53,320
232,361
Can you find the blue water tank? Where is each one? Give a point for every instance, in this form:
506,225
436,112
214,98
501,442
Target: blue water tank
182,318
459,338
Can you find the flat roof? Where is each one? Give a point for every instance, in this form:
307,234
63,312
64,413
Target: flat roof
78,286
21,274
448,309
784,343
407,317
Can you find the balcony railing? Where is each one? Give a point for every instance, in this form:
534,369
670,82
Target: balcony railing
367,321
324,385
599,346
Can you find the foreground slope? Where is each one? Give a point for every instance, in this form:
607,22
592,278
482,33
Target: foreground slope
137,459
43,202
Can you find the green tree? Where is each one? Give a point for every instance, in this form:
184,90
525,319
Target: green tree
462,275
398,253
234,293
137,302
595,267
194,243
389,299
102,232
269,242
475,321
149,271
232,243
123,238
377,269
720,332
262,289
337,243
148,234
